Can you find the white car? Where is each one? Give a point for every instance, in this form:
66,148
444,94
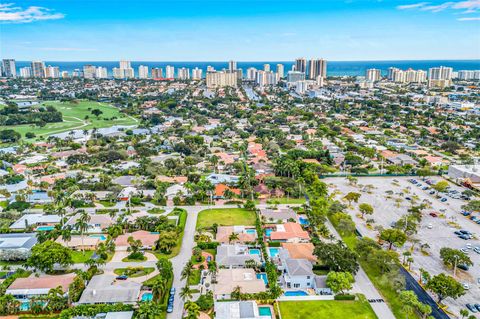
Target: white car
430,226
466,286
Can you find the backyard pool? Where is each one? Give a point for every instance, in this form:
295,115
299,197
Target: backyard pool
250,231
254,251
268,231
101,237
303,221
148,296
273,251
45,228
293,293
265,311
264,277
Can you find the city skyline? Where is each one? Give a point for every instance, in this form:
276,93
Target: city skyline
244,31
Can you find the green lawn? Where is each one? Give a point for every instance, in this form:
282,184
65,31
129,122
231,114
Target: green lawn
225,217
79,257
194,279
330,309
74,118
139,273
388,293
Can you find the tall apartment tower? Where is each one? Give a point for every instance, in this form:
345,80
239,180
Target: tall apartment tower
89,71
9,68
26,72
157,73
38,69
301,65
232,66
280,71
266,67
170,72
143,72
373,75
317,68
197,74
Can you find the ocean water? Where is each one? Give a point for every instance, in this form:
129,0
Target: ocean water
334,68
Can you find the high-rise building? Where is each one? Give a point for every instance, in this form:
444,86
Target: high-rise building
52,72
440,76
373,75
38,69
125,64
301,65
170,72
76,73
317,68
26,72
415,76
391,71
251,74
295,76
266,67
280,71
210,68
9,68
101,72
89,71
183,74
266,78
232,65
143,72
221,79
197,74
118,73
157,73
64,75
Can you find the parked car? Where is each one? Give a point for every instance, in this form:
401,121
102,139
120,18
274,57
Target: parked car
477,306
458,233
477,249
425,188
432,192
466,213
443,199
466,286
433,214
463,267
122,277
471,307
466,232
464,237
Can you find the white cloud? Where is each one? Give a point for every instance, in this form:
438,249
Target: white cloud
412,6
9,13
67,49
469,19
469,6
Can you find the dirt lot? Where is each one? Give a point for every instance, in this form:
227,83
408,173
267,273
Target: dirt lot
437,232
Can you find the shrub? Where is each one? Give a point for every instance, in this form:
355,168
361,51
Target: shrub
205,245
344,297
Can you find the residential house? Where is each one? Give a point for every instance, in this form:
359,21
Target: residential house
26,288
106,289
235,256
80,242
238,310
229,279
245,234
96,224
35,221
16,246
288,232
282,215
147,238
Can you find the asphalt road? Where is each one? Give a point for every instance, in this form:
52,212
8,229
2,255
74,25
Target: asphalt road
423,296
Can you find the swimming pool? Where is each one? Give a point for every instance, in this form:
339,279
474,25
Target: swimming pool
293,293
254,251
268,232
273,251
264,277
148,296
250,231
265,311
45,228
101,237
303,221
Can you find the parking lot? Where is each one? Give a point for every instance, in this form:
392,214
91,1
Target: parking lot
391,198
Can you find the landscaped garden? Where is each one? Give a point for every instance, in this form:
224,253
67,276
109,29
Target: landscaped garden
134,271
225,217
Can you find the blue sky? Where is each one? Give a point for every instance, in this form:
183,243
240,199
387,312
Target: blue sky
244,30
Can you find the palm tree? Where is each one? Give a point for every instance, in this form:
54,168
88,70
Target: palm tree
187,270
82,225
159,288
193,310
67,234
233,237
186,293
